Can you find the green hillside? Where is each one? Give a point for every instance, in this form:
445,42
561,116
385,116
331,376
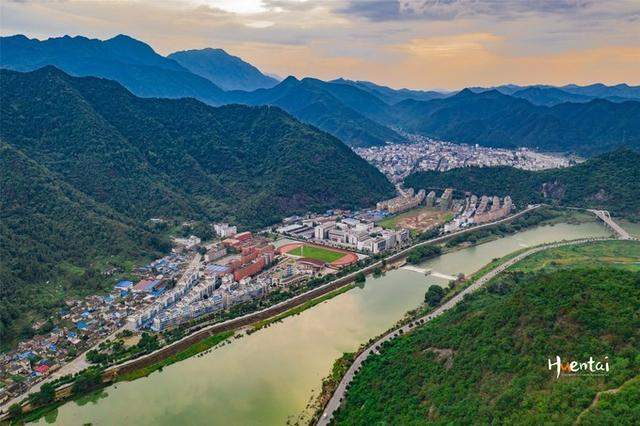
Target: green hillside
160,157
85,164
486,361
493,119
52,233
610,181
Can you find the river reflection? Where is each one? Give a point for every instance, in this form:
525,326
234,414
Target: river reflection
268,377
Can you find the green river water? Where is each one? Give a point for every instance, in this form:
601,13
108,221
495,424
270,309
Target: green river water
268,378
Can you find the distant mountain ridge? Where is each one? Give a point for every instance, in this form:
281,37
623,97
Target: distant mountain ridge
492,118
360,113
540,94
393,96
226,71
344,111
130,62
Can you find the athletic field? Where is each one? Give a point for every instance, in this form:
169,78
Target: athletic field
318,253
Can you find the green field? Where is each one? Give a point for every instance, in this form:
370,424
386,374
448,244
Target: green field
318,253
616,254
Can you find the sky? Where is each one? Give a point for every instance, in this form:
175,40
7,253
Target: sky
424,44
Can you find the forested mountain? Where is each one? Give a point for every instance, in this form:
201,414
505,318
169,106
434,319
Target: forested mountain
549,96
150,157
610,181
130,62
485,361
393,96
570,92
85,164
50,231
145,73
346,112
226,71
494,119
570,118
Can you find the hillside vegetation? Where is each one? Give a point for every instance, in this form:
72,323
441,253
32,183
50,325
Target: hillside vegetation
85,164
494,119
610,181
485,361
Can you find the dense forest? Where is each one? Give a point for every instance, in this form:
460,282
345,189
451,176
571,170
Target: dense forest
85,165
610,181
494,119
486,360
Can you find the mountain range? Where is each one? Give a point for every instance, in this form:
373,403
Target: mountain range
85,165
226,71
581,119
492,118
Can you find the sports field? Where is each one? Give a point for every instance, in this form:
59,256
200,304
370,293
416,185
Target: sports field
319,253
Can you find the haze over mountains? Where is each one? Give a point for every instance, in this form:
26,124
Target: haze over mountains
226,71
580,119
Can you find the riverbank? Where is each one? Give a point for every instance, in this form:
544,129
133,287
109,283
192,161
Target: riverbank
409,378
373,348
281,307
296,352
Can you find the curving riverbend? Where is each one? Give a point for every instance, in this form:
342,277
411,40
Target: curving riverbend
268,377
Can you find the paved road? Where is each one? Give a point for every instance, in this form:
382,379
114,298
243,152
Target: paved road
339,393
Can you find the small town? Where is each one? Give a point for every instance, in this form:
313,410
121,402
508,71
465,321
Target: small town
200,279
398,161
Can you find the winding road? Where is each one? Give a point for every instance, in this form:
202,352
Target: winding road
338,395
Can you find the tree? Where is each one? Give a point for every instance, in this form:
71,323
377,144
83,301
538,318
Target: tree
86,381
360,278
434,295
15,410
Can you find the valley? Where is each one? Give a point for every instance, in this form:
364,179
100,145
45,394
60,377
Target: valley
293,212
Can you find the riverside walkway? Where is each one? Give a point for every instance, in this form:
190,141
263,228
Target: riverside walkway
338,395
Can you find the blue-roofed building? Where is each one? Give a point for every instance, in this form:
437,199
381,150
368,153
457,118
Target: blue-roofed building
108,298
26,355
218,269
81,325
53,348
159,292
124,285
85,314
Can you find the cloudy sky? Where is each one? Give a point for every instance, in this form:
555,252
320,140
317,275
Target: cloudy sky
407,43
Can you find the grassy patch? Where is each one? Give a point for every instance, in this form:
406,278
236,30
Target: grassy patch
318,253
192,350
618,254
394,221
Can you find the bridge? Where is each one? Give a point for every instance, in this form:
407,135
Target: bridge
429,272
604,216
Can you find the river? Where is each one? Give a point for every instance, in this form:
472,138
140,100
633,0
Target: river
269,377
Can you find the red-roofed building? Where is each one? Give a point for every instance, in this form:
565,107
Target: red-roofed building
42,369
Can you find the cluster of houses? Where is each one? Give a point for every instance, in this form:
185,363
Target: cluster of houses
478,211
